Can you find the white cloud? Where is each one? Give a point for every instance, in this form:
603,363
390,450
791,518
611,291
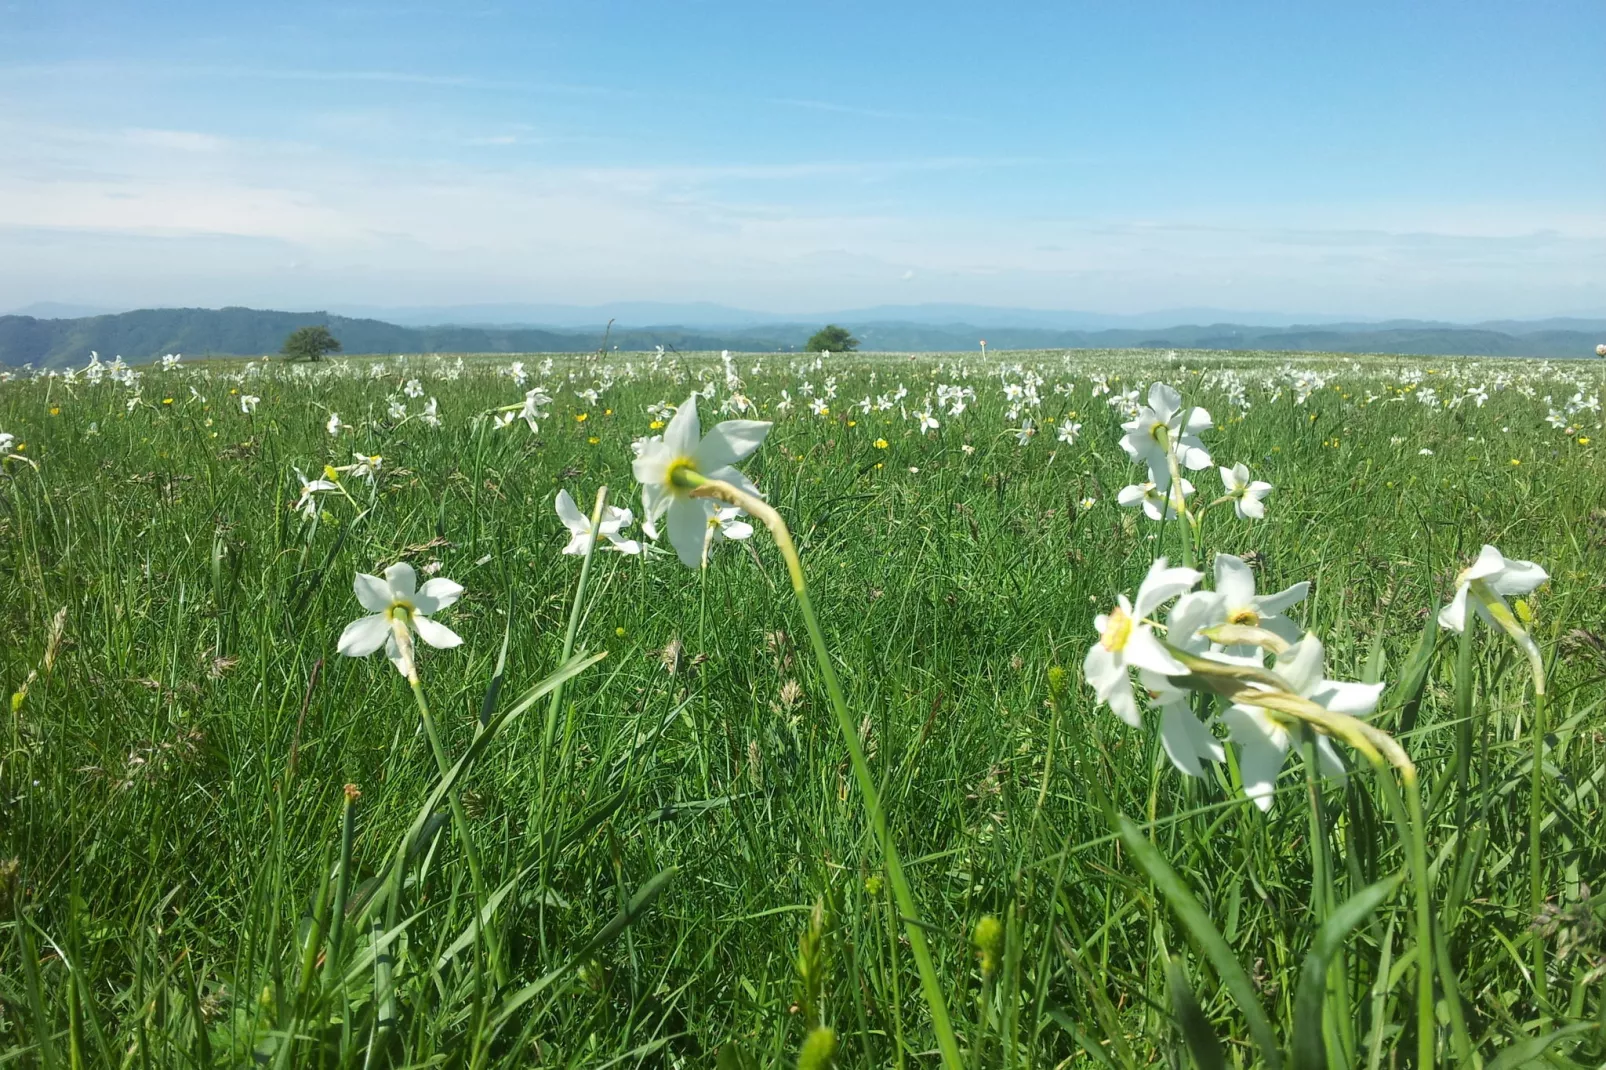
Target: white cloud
183,217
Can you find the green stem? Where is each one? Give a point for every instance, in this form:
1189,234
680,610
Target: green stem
1536,789
914,928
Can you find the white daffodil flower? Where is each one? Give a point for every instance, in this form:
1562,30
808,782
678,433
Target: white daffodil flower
1157,432
307,504
1499,576
1247,494
1263,739
249,403
1068,432
713,457
1127,641
334,425
1235,582
727,523
397,597
535,402
1153,497
580,534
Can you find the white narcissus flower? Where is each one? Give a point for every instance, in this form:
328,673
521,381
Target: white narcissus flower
307,504
727,523
397,597
580,534
1263,738
334,426
535,402
1127,641
249,403
1143,439
1068,432
1500,575
1235,582
713,457
1153,498
1247,494
928,422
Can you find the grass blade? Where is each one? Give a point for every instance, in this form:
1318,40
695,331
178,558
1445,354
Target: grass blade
1309,1048
1194,918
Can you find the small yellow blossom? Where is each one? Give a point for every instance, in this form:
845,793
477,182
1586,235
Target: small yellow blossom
656,425
880,443
593,440
581,417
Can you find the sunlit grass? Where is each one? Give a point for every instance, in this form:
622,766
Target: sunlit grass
654,841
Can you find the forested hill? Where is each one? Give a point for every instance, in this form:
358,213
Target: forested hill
199,332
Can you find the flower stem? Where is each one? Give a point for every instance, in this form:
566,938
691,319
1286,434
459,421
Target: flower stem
914,928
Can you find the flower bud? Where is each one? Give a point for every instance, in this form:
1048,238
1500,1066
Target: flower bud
989,943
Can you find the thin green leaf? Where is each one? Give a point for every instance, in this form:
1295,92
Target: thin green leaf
1197,922
1309,1048
1196,1031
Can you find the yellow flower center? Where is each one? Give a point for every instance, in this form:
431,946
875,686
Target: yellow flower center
675,476
1117,631
1246,617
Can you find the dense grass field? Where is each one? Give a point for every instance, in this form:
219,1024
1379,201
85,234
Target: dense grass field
224,843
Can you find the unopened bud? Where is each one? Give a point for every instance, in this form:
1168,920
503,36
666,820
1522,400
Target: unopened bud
819,1049
989,942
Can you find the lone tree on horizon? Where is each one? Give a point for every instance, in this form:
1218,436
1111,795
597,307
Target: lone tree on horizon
310,343
832,338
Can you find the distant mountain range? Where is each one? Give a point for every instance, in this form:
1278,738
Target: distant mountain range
148,333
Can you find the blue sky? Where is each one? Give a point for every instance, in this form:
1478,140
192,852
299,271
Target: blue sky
1422,159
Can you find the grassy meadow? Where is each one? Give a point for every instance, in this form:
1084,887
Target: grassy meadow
224,843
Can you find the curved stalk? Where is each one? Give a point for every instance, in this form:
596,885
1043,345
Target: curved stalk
914,928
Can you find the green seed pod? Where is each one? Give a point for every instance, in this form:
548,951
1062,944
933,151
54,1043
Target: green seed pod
819,1049
989,942
1057,678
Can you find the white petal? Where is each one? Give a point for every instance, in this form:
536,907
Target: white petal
1490,561
1235,581
1143,651
1454,615
624,546
736,530
434,633
1269,604
1124,705
1231,480
402,579
372,592
1179,741
569,513
1198,420
1328,760
1260,762
655,498
1301,665
1161,585
1132,494
364,635
736,479
437,594
729,443
651,467
1518,577
688,528
683,432
578,544
1164,400
1250,508
1193,611
1357,700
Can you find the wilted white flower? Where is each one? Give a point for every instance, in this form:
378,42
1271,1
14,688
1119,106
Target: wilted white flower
249,403
307,504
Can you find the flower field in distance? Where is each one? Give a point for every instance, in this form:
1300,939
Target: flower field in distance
900,711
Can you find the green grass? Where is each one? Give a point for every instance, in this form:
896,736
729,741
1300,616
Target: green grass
172,766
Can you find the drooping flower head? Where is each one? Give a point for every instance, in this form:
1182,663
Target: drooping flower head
664,464
1263,738
396,597
1497,576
